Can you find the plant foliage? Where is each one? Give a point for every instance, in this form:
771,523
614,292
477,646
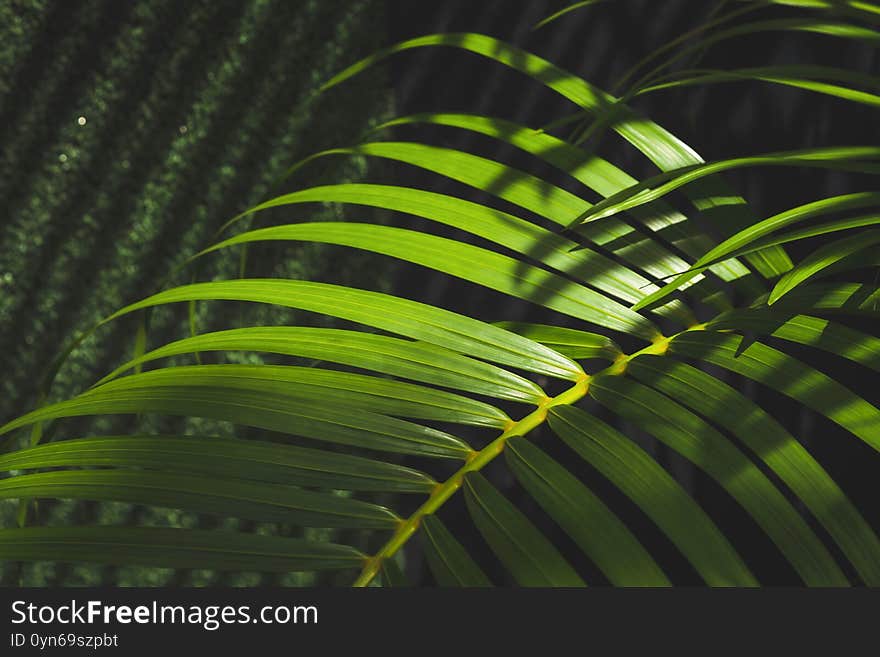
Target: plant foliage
404,410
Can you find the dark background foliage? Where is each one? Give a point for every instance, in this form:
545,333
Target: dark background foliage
193,109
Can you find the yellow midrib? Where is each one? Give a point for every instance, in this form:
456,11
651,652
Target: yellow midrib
479,459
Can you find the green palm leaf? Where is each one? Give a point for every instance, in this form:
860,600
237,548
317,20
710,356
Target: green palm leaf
656,493
449,406
525,552
379,353
450,563
697,441
175,548
584,517
224,458
717,401
822,259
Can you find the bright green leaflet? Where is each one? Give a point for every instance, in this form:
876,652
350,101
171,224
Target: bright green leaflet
347,389
284,414
821,259
378,353
815,332
656,187
592,171
496,271
785,374
665,150
760,229
393,314
523,237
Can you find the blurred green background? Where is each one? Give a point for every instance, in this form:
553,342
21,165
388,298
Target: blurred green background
131,131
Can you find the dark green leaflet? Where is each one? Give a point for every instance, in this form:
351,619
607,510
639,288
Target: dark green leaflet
569,342
525,552
232,497
285,414
697,441
174,548
771,75
226,458
821,259
448,560
816,332
583,516
647,484
787,375
760,229
724,406
392,575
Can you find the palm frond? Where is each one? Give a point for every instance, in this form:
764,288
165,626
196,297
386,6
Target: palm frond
407,408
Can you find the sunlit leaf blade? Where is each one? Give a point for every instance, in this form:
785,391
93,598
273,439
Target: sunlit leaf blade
700,443
496,271
529,557
784,374
821,259
727,408
233,497
597,174
284,414
710,195
224,458
304,384
531,193
174,548
647,484
658,186
771,75
743,238
844,298
583,516
815,332
570,342
861,8
449,562
379,353
525,238
867,260
818,230
393,314
818,26
392,575
562,12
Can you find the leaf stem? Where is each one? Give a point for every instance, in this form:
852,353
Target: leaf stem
478,460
